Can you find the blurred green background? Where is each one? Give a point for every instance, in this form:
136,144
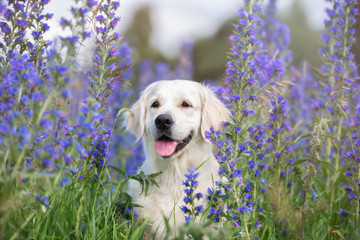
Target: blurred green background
209,53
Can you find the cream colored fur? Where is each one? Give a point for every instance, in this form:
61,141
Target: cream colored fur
205,111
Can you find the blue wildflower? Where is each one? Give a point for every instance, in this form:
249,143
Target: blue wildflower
64,181
342,212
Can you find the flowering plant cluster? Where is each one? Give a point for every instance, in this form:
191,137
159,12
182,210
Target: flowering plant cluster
55,155
353,172
267,165
190,183
289,156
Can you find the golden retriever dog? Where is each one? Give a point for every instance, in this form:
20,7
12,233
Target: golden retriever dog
172,117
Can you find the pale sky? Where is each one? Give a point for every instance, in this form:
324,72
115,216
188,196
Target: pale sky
175,21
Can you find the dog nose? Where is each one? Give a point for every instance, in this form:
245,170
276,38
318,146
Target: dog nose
164,121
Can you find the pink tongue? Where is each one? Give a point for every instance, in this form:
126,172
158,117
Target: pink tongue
165,148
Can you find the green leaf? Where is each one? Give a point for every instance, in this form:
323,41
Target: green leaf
147,185
201,164
317,119
299,162
327,135
120,171
154,175
121,111
327,164
300,137
340,176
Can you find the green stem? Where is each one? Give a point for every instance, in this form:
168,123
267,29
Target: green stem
4,164
38,44
78,216
303,215
43,109
357,202
19,161
16,234
346,33
105,55
235,187
255,196
251,4
337,160
246,229
77,225
20,93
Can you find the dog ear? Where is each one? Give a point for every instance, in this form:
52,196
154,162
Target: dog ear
135,118
214,112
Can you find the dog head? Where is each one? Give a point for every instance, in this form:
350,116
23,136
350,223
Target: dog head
174,113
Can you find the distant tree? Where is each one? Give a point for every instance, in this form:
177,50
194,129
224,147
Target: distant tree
303,37
138,36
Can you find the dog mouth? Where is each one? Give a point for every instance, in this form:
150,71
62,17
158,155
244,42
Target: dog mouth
166,147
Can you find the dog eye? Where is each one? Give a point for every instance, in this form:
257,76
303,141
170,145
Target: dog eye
155,104
185,104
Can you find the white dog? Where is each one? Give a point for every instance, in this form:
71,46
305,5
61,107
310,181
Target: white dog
172,117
